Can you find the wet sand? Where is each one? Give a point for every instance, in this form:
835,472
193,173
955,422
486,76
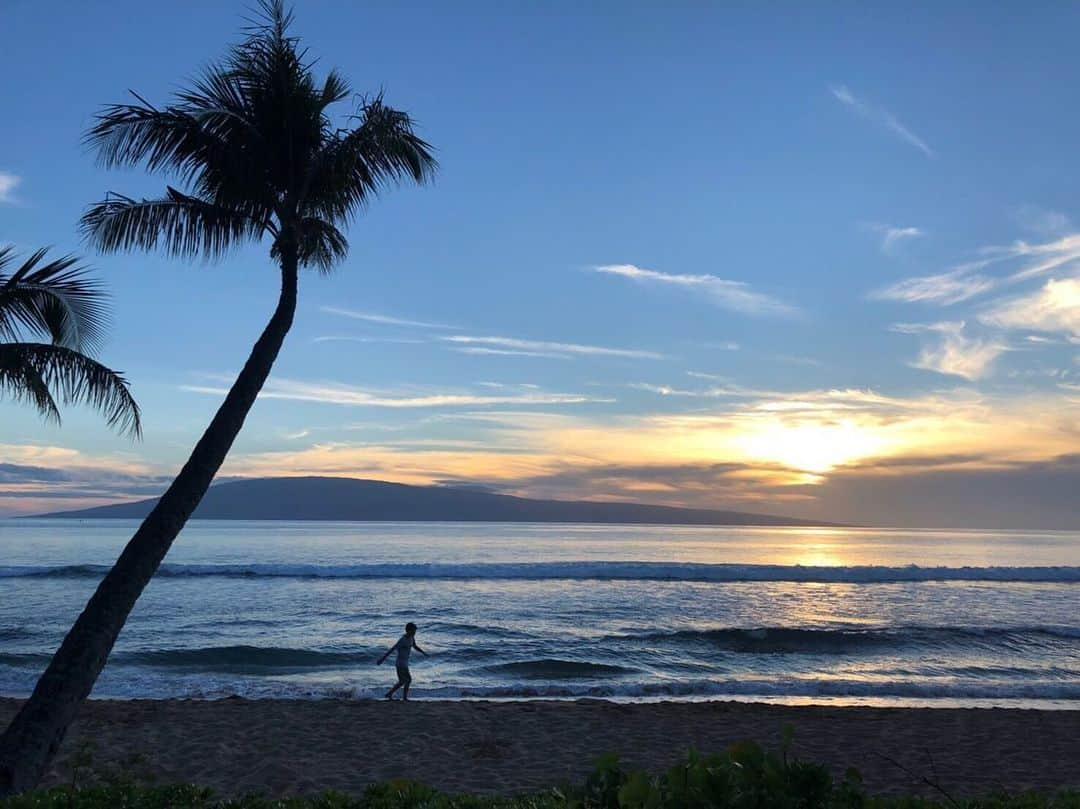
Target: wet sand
283,747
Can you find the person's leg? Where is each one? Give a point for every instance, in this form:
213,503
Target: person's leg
399,684
406,681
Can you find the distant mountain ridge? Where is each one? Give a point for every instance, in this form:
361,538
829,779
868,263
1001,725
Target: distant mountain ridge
352,499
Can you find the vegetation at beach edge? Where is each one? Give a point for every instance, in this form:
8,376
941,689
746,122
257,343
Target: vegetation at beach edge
745,776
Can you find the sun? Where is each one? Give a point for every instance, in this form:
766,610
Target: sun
815,447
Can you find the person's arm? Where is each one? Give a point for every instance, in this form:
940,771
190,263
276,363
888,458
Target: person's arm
388,651
416,646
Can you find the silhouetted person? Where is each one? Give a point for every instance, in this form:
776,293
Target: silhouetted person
403,648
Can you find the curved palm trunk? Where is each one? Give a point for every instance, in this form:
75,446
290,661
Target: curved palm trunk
35,734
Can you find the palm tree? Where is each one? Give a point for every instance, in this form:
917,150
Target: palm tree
55,300
253,142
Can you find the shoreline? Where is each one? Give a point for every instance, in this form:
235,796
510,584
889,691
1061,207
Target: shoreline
280,747
1062,705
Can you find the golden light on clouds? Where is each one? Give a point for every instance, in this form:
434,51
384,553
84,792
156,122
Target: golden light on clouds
766,444
768,448
817,432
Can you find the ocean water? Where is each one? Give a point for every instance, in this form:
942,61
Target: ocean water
304,610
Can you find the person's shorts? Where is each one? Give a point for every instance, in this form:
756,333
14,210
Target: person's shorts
403,674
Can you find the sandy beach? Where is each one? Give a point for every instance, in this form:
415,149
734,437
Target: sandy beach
281,747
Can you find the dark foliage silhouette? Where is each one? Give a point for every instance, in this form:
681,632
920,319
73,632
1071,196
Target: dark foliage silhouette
56,301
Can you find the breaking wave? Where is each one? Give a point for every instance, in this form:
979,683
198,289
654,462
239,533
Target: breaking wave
552,669
765,640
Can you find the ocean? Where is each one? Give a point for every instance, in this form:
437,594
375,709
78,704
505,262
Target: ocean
511,611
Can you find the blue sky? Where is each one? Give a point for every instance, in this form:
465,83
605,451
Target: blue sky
749,256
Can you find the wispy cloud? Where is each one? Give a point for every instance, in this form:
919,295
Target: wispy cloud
1055,307
726,391
880,116
8,182
948,350
1042,258
1023,261
946,288
1042,220
892,235
509,352
333,338
339,394
734,295
543,348
386,320
833,400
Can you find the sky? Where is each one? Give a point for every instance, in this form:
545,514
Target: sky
814,262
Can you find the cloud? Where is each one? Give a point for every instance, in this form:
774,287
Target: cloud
8,182
506,352
1054,307
946,289
1043,221
968,280
891,236
880,116
385,320
982,493
39,478
776,438
832,454
734,295
21,473
339,394
717,392
947,350
1044,257
945,491
545,348
685,484
401,464
347,339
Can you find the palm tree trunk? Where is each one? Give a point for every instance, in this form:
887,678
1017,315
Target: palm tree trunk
32,739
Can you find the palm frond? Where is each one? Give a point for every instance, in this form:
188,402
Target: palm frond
206,140
179,224
22,381
170,139
39,372
321,245
358,164
255,149
283,101
54,299
335,88
386,141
